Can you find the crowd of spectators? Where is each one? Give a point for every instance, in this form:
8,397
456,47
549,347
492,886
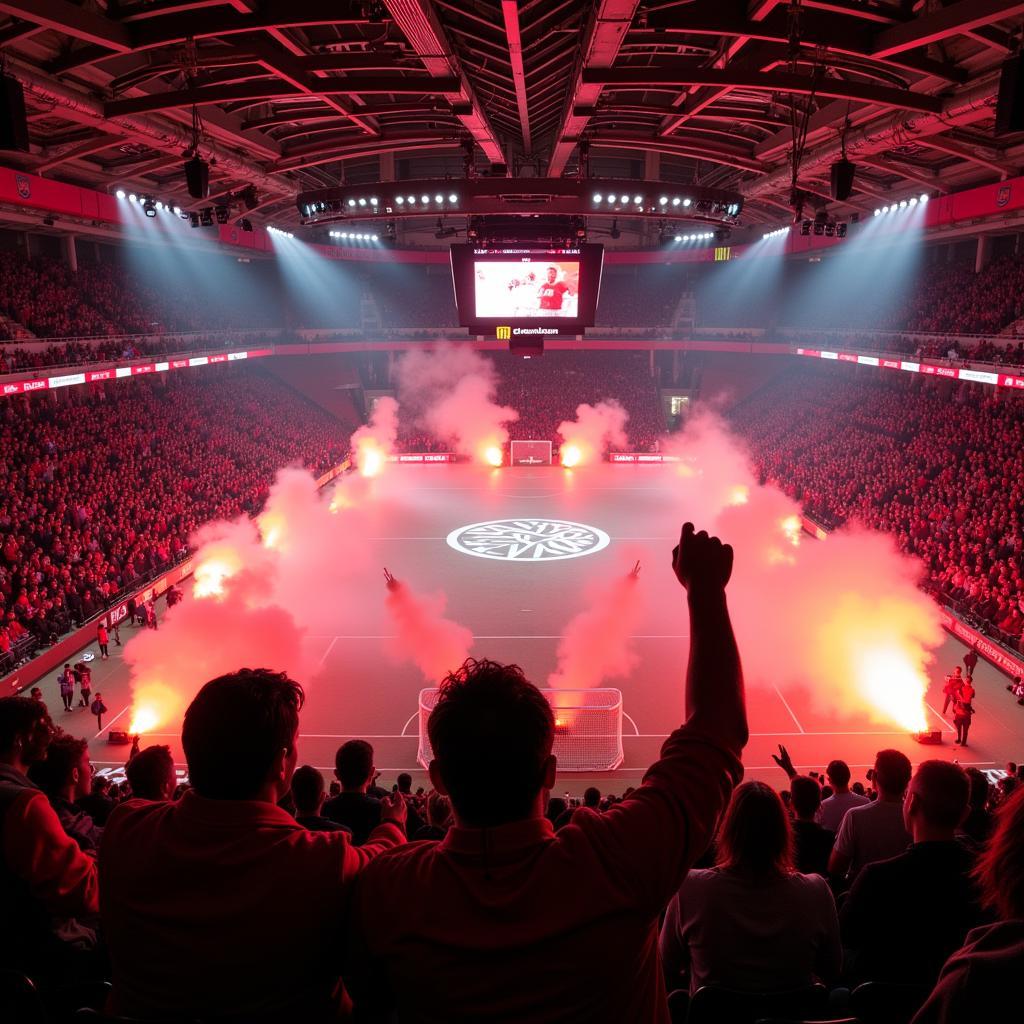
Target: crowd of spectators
102,487
102,299
252,893
942,472
547,392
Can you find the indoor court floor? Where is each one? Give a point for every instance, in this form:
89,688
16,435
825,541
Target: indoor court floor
553,537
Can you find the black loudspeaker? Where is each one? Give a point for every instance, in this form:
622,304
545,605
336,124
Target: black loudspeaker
197,177
1010,102
118,737
842,179
528,346
13,125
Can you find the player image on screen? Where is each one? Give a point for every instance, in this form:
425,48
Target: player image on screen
525,289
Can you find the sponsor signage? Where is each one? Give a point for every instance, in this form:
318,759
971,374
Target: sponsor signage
64,380
1006,380
422,457
638,457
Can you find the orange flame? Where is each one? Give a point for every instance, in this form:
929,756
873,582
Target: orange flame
571,455
493,455
209,576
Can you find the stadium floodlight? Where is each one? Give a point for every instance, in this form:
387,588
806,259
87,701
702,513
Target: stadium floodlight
686,202
598,197
120,193
439,199
159,205
177,211
351,202
424,200
362,201
679,238
399,200
375,238
662,200
676,201
132,197
924,197
878,210
913,200
410,199
903,204
638,200
374,200
612,198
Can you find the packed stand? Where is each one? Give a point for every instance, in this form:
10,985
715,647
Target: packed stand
256,893
102,488
105,299
18,358
547,391
943,473
646,296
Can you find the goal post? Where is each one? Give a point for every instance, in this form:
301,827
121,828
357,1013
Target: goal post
588,728
530,453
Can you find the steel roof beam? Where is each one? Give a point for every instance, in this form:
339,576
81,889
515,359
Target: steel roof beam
600,47
943,23
419,23
510,13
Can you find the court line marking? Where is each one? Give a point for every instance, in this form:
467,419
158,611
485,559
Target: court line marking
785,704
330,647
408,721
502,636
948,725
623,771
628,718
111,722
626,736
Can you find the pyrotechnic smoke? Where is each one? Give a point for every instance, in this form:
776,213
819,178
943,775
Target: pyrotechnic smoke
436,645
841,618
596,427
375,441
596,644
450,392
258,588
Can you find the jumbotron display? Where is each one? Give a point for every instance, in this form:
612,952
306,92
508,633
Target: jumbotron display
526,290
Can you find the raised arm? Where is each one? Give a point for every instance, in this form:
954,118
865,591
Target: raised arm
715,702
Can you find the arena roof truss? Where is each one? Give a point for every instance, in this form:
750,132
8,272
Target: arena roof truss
296,95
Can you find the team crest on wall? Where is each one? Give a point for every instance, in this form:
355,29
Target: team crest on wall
23,185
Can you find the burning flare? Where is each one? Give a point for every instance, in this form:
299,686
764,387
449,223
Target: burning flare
493,455
209,576
571,455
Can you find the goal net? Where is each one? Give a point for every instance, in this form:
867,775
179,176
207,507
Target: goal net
588,728
530,453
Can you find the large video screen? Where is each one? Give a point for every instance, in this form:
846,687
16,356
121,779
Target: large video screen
518,287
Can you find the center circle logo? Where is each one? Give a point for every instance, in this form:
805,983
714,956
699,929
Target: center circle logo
528,540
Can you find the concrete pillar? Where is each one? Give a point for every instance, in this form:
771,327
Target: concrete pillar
70,253
983,253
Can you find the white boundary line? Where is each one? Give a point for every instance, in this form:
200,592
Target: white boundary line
785,704
111,722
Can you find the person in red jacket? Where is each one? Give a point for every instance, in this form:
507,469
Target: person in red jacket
102,638
220,904
44,876
506,919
